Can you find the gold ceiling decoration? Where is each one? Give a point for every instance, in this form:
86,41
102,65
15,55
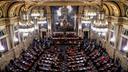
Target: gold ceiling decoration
60,0
63,2
94,3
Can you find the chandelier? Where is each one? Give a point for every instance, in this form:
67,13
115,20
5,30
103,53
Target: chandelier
89,14
24,16
37,12
100,20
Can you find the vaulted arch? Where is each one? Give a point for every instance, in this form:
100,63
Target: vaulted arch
114,8
5,6
106,10
12,10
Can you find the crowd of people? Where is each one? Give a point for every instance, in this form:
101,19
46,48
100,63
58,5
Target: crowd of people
45,56
28,57
78,61
49,61
99,57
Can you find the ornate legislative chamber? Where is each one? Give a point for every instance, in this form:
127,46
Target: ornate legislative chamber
63,35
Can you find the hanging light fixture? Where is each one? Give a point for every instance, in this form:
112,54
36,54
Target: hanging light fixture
100,20
89,14
35,13
26,24
24,16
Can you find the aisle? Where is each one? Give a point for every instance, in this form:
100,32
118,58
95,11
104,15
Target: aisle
63,53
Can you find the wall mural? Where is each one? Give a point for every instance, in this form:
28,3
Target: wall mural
64,18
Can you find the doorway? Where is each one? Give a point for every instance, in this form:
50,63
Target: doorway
86,34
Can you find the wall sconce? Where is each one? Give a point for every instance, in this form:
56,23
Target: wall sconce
49,28
126,48
15,39
80,26
112,39
2,49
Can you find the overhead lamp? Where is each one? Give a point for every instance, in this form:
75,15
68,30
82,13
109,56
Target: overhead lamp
35,13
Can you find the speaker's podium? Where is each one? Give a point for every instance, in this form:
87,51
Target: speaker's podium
66,38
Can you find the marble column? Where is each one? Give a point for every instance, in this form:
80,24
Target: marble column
10,41
78,25
117,35
49,21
